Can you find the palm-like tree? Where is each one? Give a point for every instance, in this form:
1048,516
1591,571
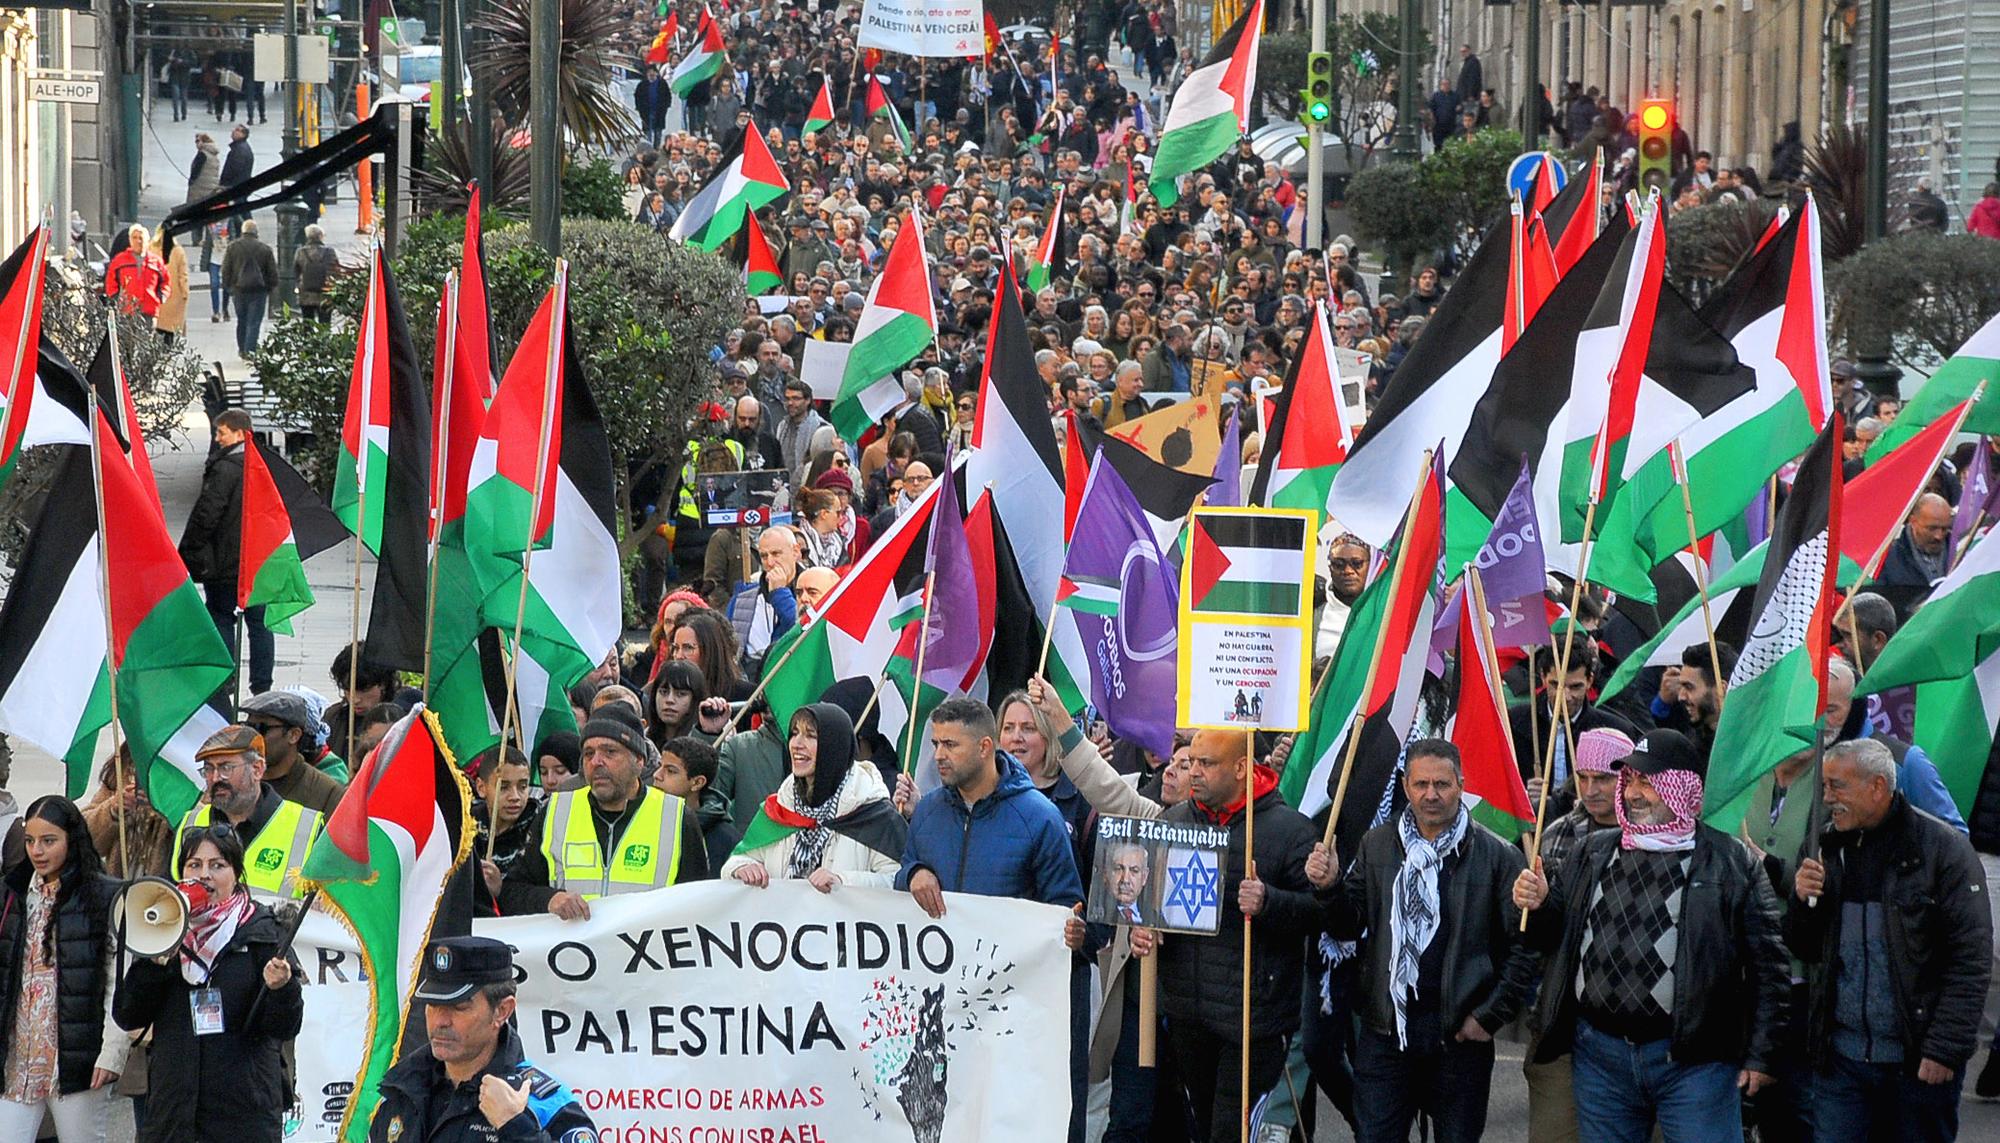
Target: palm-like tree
591,30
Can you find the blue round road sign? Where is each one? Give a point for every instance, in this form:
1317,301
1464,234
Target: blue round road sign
1521,170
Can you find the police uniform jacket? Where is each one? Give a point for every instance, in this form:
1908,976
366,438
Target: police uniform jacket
420,1104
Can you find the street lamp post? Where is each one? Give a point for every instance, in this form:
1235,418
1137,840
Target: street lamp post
545,120
1409,85
1871,364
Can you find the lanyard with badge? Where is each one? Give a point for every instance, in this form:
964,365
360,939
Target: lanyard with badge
204,1001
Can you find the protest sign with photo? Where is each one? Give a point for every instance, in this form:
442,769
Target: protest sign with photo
1159,874
745,499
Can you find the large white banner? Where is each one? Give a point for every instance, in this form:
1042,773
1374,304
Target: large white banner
941,28
717,1013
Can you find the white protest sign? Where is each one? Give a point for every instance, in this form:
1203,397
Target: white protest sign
821,365
1246,619
940,28
717,1011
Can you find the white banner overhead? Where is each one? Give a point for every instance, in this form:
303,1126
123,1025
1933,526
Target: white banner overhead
941,28
715,1011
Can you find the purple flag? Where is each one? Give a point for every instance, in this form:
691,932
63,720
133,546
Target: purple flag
1126,603
1980,497
1228,489
951,634
1513,572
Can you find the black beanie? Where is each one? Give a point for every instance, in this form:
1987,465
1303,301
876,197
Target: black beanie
617,723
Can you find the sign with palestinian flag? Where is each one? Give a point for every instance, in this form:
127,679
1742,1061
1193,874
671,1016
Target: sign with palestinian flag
1246,618
1210,109
284,524
391,844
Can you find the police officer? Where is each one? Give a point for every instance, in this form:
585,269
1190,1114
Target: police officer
617,835
470,1081
276,833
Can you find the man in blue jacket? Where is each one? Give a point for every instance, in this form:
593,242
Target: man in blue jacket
987,830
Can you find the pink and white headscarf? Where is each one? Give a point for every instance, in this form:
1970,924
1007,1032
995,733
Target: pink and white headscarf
1681,791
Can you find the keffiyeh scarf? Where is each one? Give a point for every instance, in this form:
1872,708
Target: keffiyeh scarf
1414,908
809,845
209,931
1681,791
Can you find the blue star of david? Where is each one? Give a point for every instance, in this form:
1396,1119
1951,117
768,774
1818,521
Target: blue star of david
1191,886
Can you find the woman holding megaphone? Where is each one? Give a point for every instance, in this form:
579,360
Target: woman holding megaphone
226,1083
61,1054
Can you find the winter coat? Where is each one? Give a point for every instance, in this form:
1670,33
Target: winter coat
86,1037
249,267
211,544
239,165
173,315
205,173
313,264
1731,985
1488,969
1201,978
136,280
224,1088
1011,843
1985,218
1937,925
857,864
419,1105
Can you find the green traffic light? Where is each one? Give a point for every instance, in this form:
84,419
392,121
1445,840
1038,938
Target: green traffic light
1319,112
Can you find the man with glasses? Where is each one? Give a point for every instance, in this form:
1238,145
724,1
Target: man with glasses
276,833
287,724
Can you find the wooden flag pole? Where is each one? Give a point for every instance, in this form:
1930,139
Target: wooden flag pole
1559,727
735,720
438,466
1374,662
1048,639
917,680
509,725
110,629
1249,873
1149,1009
1700,567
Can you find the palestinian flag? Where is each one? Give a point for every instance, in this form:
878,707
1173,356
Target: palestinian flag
114,399
1017,460
857,631
1128,214
462,377
284,524
899,320
545,422
702,61
1048,263
1771,310
1247,563
874,825
880,106
390,847
20,340
760,267
1210,109
1379,665
657,51
381,489
1481,731
1165,494
1955,726
1430,398
1880,499
1729,598
1777,693
821,115
745,179
1309,435
1531,270
1976,361
1576,216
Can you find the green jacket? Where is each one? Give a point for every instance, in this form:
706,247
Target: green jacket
751,766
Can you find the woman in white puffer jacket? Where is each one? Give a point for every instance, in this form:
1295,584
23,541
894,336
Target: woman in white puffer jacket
832,824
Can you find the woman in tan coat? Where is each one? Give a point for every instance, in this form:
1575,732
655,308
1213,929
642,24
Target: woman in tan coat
171,320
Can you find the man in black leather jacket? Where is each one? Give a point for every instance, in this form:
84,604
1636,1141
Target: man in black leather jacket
1443,965
1668,980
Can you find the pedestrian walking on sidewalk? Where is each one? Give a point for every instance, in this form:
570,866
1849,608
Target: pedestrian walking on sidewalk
249,270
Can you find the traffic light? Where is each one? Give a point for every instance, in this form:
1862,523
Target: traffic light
1316,98
1656,144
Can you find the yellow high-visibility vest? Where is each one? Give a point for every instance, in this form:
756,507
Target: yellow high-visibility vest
648,856
271,860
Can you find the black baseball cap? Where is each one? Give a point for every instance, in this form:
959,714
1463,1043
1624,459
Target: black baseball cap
1662,750
454,966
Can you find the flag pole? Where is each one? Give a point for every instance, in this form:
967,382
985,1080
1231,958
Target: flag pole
1249,873
104,588
508,723
1700,569
449,301
1374,662
917,680
360,512
1559,726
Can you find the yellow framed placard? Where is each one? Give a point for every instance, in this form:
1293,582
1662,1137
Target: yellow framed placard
1246,620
